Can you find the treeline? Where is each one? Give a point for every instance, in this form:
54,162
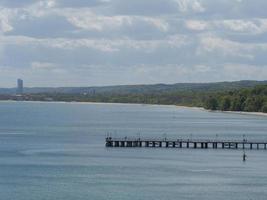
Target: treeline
168,98
249,100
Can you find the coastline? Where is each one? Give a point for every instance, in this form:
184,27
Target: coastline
87,102
242,113
229,112
177,106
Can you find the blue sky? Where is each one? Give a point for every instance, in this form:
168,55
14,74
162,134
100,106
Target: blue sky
109,42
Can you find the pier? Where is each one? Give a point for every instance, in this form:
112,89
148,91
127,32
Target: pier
185,143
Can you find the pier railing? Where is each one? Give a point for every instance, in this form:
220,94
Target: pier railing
186,143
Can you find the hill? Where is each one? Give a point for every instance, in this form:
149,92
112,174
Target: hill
141,89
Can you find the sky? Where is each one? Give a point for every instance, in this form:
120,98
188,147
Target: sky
111,42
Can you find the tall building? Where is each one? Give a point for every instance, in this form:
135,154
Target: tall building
19,86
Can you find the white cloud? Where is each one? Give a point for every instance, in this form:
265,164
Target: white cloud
49,68
254,26
157,22
248,26
227,48
90,21
43,66
190,5
245,71
38,9
105,45
196,25
60,43
5,17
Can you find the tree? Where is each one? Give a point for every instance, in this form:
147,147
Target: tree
264,108
253,104
236,104
226,103
212,104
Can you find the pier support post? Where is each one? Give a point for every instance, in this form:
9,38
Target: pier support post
153,144
137,143
195,145
173,144
117,144
251,146
122,144
147,144
187,145
129,144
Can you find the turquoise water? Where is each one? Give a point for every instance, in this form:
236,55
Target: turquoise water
56,151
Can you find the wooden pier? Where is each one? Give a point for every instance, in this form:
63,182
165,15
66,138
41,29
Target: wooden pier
186,143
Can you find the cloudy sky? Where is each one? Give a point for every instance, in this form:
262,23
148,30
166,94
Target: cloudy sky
108,42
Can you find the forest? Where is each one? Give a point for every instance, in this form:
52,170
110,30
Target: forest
249,99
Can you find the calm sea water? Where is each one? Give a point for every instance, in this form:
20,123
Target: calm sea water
54,151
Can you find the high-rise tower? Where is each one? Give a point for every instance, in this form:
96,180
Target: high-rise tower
19,86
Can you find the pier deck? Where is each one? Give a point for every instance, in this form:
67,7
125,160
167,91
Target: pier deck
186,143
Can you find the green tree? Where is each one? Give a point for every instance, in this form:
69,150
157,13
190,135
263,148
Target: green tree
253,104
212,104
226,103
264,108
236,104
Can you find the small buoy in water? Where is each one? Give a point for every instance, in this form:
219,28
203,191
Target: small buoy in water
244,157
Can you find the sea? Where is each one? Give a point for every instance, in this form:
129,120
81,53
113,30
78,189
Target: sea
56,151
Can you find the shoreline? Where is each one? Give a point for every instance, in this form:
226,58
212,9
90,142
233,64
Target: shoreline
241,112
177,106
229,112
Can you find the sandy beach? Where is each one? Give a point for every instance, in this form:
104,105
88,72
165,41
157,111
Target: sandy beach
244,113
232,112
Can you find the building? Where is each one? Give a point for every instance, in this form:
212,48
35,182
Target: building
19,86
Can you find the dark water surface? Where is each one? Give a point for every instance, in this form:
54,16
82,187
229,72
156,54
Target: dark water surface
56,151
